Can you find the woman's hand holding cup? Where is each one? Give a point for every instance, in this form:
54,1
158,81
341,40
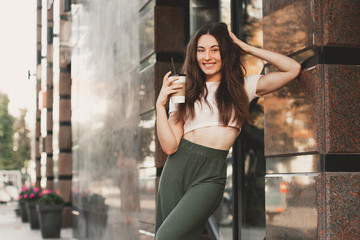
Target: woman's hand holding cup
168,89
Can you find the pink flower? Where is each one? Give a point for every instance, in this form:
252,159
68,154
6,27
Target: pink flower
40,194
36,189
32,195
24,189
25,195
46,191
20,196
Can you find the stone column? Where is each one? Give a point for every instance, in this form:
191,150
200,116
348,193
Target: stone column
38,89
312,125
171,33
65,158
49,102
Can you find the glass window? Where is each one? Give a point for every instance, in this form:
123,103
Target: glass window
241,214
249,159
202,12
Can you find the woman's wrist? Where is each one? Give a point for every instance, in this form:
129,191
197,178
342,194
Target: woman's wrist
159,106
251,50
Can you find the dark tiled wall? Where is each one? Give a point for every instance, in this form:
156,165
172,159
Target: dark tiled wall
342,206
342,105
312,125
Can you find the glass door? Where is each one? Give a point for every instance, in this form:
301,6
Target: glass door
248,150
241,214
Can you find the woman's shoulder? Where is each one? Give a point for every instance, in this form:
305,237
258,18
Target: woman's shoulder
254,77
250,85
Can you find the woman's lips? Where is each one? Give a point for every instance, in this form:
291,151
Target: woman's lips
209,65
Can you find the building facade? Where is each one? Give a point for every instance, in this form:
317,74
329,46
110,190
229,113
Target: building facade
287,173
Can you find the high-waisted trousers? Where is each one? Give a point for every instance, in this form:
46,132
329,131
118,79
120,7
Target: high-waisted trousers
190,190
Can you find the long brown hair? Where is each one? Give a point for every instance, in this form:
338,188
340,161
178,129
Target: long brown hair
230,96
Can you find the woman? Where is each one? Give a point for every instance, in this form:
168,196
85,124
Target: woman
198,134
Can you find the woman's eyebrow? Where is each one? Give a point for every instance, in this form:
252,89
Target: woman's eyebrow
210,46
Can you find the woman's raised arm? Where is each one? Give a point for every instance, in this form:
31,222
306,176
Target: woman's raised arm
288,68
169,131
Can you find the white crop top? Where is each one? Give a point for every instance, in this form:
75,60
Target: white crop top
204,116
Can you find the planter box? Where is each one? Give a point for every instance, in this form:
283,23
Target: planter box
24,216
50,220
18,212
32,215
80,224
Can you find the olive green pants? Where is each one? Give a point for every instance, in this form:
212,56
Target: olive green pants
190,190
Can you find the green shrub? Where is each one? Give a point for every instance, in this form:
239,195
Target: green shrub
51,198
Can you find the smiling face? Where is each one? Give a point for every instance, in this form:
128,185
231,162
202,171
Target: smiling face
209,58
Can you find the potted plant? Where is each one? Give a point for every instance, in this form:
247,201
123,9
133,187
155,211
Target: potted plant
50,209
32,197
22,196
95,213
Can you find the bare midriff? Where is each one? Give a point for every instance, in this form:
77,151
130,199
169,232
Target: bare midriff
218,137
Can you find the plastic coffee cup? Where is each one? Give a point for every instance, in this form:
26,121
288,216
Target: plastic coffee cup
178,97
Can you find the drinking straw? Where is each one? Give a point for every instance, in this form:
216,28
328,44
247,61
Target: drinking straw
173,65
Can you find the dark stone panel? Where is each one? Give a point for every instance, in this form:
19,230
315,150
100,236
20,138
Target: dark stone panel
170,29
341,162
342,115
312,163
329,55
146,89
272,6
318,26
320,186
341,22
292,206
332,123
294,115
290,25
340,55
342,206
293,25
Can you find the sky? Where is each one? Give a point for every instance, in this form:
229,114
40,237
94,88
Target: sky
18,55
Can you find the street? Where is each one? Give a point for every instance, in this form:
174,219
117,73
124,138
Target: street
11,227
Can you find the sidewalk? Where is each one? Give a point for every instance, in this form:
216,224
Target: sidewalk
11,227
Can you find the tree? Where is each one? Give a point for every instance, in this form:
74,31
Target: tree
22,145
6,134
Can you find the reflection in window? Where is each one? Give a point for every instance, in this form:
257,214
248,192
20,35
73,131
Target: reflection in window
225,12
202,12
249,159
241,214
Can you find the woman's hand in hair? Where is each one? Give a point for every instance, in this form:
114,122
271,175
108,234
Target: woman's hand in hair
288,68
166,90
244,46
